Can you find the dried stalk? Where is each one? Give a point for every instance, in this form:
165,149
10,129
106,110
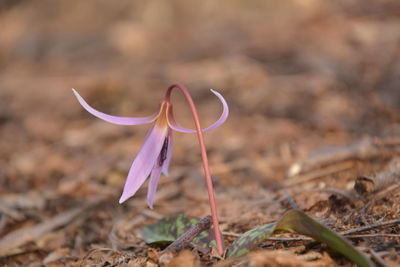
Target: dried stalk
184,240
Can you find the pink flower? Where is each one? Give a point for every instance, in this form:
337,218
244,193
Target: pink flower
155,155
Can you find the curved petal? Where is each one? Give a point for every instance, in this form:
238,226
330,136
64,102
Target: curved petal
167,161
114,119
154,177
144,161
225,112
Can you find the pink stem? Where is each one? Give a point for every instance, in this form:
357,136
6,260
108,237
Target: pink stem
213,206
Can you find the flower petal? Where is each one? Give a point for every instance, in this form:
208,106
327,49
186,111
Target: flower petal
225,112
144,161
114,119
157,170
154,177
167,161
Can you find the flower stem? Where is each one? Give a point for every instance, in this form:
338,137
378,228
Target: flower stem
213,206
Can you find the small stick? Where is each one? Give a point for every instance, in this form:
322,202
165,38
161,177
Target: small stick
184,240
378,258
231,234
371,226
381,194
372,235
291,201
368,185
365,149
344,193
319,173
286,239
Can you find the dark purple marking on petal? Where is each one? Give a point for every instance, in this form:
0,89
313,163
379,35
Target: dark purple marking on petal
163,153
167,161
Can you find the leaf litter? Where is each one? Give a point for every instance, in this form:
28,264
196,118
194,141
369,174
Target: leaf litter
299,77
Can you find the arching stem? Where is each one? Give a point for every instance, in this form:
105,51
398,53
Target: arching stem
213,206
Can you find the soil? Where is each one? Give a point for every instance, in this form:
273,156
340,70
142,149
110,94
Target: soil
313,89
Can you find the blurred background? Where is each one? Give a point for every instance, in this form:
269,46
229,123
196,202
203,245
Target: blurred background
297,75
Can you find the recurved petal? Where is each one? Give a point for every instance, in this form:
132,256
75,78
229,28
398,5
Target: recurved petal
144,161
154,177
225,112
114,119
167,160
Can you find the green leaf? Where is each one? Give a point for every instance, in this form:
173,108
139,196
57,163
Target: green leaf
168,229
296,221
250,239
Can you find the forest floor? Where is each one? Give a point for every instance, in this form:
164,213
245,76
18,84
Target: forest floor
314,96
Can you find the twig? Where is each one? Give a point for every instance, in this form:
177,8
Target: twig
231,234
371,226
368,185
368,148
349,195
372,235
267,201
319,173
184,240
377,258
151,214
388,191
291,201
285,239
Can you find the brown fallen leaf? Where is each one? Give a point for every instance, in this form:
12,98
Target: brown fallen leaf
184,259
56,255
10,243
283,258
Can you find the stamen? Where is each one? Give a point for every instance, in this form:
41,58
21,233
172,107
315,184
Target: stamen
163,153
